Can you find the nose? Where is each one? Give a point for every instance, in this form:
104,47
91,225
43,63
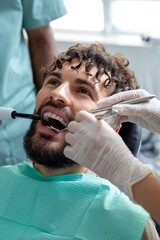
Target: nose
61,94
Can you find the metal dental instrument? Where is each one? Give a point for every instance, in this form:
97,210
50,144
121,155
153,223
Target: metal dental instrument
58,130
108,110
106,114
131,101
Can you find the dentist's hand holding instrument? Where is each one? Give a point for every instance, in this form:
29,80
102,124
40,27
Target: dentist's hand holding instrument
95,145
146,114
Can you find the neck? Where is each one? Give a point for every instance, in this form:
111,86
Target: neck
48,172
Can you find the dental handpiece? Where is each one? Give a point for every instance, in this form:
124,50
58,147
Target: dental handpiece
10,113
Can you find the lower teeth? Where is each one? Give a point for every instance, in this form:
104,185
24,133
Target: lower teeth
58,130
54,128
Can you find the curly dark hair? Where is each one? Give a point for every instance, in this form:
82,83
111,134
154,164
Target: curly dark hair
96,55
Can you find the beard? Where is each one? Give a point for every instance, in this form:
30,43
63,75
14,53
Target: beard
38,146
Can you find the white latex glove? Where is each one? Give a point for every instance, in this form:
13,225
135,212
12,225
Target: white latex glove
95,145
146,114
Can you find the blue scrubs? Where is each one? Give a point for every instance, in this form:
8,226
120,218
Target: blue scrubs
17,89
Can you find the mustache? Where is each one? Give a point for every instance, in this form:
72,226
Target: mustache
57,105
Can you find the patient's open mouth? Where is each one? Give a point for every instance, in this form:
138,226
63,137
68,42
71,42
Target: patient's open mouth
53,121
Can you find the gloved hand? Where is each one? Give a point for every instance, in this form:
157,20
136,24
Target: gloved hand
146,114
95,145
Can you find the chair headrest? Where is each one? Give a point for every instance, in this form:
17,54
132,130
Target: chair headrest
131,135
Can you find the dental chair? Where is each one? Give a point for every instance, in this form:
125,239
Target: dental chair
131,135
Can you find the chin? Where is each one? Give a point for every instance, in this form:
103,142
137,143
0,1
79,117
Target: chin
46,150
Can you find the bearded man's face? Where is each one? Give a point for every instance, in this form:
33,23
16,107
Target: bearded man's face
64,93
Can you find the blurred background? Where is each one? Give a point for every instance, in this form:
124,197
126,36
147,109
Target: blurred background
131,27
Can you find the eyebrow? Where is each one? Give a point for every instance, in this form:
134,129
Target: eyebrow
77,81
56,74
82,81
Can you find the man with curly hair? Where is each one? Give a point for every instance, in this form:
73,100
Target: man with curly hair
53,197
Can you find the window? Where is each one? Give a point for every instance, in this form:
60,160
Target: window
135,16
122,21
83,15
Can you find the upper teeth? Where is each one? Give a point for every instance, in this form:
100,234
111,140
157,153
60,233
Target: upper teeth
54,116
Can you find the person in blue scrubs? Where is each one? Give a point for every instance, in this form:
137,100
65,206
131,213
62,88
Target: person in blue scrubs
20,65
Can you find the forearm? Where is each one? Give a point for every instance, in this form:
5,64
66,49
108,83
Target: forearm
147,194
42,49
